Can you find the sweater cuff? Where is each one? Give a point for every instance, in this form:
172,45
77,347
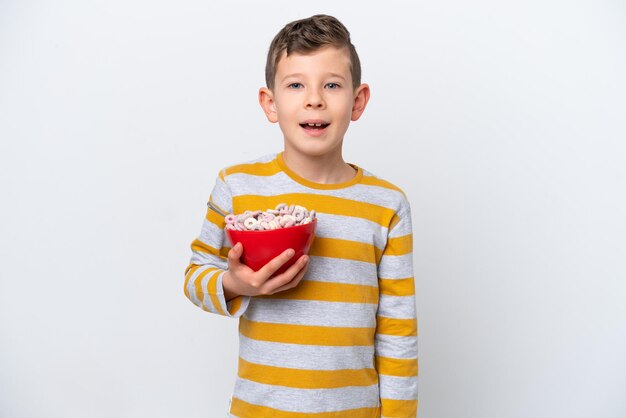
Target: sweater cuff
235,307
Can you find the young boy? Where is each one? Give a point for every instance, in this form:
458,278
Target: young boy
335,335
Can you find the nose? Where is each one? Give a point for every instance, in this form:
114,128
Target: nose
314,99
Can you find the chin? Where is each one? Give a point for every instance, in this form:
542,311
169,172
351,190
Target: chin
315,150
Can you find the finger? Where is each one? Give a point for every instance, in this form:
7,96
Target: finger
273,265
287,276
279,280
293,282
235,254
295,268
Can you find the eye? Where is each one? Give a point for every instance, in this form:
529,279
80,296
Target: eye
294,84
333,84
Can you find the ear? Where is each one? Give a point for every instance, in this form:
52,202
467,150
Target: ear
266,100
361,97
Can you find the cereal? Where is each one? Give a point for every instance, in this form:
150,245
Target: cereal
283,216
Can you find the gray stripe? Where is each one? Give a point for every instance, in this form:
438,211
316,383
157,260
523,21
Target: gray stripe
312,312
396,347
307,400
350,228
396,266
212,235
201,257
280,183
311,357
394,387
221,195
400,307
337,270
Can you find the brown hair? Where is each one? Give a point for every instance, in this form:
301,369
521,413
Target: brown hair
308,35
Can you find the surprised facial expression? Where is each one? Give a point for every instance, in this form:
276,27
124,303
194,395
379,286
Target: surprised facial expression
313,100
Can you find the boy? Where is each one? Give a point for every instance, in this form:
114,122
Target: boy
335,335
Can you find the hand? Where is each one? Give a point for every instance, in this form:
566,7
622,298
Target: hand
242,280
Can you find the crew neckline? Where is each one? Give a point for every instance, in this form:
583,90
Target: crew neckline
295,177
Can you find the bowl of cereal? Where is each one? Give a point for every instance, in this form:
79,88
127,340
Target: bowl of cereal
267,234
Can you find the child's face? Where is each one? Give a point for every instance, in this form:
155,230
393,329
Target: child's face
316,87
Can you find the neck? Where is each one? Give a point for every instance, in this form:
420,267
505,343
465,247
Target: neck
323,169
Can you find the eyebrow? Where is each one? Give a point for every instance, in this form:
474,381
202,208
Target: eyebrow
300,74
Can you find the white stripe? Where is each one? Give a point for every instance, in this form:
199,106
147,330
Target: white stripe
399,307
394,346
191,288
337,270
211,234
307,400
208,259
280,183
208,303
220,195
312,312
207,298
396,266
351,228
400,388
301,356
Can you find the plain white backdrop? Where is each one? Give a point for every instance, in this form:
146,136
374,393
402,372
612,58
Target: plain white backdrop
504,122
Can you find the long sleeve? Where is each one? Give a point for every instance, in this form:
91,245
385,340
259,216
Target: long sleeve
203,275
396,329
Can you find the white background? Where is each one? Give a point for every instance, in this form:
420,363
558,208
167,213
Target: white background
504,122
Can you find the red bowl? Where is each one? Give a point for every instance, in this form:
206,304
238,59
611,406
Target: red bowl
260,247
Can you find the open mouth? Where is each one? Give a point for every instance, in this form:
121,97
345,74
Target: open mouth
314,126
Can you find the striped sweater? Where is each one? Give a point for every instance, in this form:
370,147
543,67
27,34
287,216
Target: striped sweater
343,343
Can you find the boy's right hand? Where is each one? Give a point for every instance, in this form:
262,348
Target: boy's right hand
242,280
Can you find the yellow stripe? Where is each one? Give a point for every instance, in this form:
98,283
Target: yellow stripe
321,203
212,288
396,408
306,379
256,169
198,283
306,334
244,409
191,269
396,366
397,327
203,247
215,218
346,249
399,245
375,181
397,287
329,292
235,304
